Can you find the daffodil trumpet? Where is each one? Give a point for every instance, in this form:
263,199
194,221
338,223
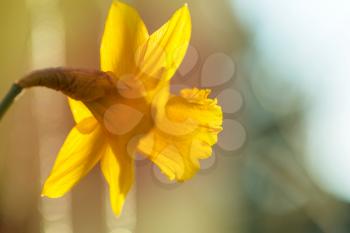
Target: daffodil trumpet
127,108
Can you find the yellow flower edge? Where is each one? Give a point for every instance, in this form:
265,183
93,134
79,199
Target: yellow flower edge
177,131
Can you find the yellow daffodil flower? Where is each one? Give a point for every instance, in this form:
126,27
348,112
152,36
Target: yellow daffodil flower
127,108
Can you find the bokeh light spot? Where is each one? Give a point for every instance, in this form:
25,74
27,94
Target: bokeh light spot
120,119
190,60
230,100
218,69
233,136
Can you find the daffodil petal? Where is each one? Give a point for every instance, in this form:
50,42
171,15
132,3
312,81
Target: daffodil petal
79,110
161,55
124,33
184,134
77,157
118,170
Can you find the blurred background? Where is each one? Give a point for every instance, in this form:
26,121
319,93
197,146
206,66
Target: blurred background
281,71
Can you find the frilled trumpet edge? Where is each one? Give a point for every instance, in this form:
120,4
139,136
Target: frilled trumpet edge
79,84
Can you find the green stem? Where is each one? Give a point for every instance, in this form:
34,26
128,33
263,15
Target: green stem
9,98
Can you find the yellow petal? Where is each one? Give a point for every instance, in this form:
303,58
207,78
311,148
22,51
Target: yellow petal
79,110
76,158
124,33
118,170
184,134
160,56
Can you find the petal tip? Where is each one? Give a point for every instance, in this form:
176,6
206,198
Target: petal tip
48,194
121,5
185,8
51,191
117,207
